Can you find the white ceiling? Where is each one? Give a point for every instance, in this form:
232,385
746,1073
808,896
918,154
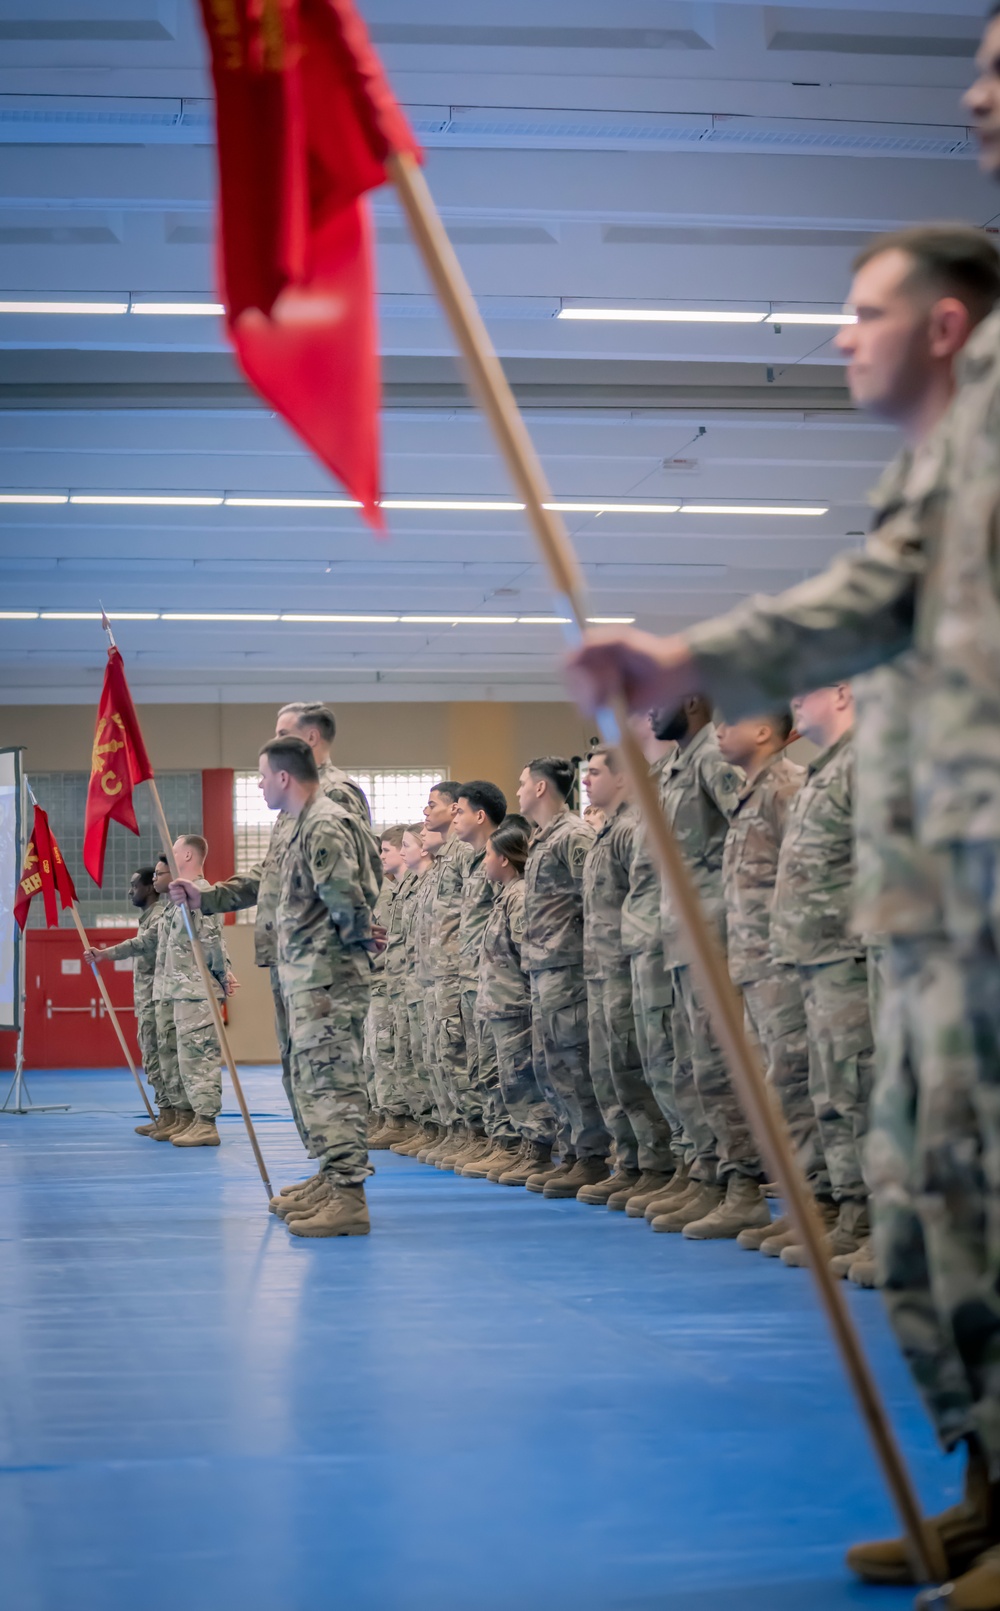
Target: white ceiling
646,152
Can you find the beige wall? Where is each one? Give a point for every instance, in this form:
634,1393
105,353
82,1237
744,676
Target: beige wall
251,1016
470,739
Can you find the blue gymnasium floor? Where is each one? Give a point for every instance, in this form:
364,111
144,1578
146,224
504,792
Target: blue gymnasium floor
493,1403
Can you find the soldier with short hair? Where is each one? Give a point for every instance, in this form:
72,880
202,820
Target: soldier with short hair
390,1120
503,1008
325,945
699,793
631,1115
480,809
552,950
448,1060
413,996
315,725
141,948
772,995
185,1027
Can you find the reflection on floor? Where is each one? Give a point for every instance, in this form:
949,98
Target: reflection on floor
493,1403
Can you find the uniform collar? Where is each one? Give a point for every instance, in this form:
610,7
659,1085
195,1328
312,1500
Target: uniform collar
827,756
541,834
683,757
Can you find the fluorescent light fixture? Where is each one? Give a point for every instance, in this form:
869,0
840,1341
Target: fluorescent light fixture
33,497
812,318
544,620
484,620
427,620
662,315
71,615
184,501
347,619
291,503
63,307
610,620
192,309
614,508
196,615
751,509
18,615
477,504
133,615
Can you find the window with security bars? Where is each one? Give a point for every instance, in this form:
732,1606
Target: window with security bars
64,796
394,794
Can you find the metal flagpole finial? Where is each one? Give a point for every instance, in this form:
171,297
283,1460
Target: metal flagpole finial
106,624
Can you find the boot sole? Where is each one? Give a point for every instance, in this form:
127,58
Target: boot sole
351,1230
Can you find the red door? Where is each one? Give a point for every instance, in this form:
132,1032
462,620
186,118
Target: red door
66,1024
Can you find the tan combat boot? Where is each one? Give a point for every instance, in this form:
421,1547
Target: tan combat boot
743,1207
455,1142
377,1122
202,1133
752,1238
533,1160
147,1129
845,1235
621,1180
434,1137
701,1202
649,1184
965,1531
292,1198
341,1212
585,1172
183,1119
507,1154
478,1148
395,1131
675,1187
539,1178
498,1153
978,1589
862,1270
163,1128
424,1135
671,1200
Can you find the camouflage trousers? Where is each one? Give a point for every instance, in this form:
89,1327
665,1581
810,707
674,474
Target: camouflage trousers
379,1071
841,1061
402,1060
285,1053
529,1113
628,1107
190,1065
450,1068
145,1017
562,1063
719,1135
420,1092
653,1004
484,1071
776,1016
934,1123
326,1029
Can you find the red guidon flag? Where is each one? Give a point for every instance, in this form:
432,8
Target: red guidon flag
45,871
118,763
305,121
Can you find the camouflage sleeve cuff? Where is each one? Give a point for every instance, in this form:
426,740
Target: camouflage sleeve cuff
855,616
232,896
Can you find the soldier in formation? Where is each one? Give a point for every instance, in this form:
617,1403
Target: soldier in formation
914,617
146,894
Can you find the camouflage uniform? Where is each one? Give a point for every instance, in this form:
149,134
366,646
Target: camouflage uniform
421,947
811,927
699,792
324,919
627,1104
142,949
378,1025
450,866
190,1065
652,980
772,995
422,1101
552,951
260,887
478,895
403,1102
503,1013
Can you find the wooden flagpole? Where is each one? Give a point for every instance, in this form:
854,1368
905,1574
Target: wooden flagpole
498,404
102,987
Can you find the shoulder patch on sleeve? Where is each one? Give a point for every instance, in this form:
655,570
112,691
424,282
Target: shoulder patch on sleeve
578,854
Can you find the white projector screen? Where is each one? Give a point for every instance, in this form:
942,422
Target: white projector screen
10,872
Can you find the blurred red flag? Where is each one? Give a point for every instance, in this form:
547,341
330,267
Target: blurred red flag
118,763
45,871
305,122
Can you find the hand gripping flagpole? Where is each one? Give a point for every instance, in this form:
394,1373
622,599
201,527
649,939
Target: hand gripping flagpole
206,977
497,402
